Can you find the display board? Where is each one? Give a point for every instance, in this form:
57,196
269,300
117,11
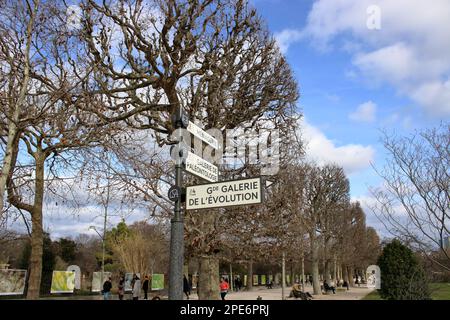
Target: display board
129,281
12,281
157,281
63,282
97,283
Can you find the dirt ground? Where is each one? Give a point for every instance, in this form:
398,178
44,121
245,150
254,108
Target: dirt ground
265,294
275,294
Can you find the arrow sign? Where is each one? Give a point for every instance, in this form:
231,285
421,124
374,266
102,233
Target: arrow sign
269,183
203,135
201,168
224,194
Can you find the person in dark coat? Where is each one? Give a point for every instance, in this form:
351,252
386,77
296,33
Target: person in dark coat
107,285
121,288
186,287
145,287
345,285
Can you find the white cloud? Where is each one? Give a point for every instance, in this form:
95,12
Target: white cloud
352,157
286,38
435,95
67,222
364,113
410,52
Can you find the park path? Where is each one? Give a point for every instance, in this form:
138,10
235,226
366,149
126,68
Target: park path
265,294
275,294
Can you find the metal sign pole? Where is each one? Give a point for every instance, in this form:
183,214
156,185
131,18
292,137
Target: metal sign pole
177,232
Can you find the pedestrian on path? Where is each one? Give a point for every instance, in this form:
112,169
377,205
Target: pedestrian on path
121,287
145,287
136,287
186,287
223,288
345,285
107,289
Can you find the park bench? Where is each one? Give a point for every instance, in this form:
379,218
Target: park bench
325,290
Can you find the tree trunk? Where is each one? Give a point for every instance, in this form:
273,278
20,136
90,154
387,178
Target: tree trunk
315,264
291,274
250,277
283,276
208,278
327,271
231,278
37,236
327,261
350,276
346,277
303,273
335,272
12,144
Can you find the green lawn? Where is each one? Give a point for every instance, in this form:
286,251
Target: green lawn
439,291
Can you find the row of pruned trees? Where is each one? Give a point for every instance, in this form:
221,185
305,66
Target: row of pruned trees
307,216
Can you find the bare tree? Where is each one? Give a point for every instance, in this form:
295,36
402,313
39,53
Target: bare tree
214,58
50,122
414,202
144,250
17,29
319,195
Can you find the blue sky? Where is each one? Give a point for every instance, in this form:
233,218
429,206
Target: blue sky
357,80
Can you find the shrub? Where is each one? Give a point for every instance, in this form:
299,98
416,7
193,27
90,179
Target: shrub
402,277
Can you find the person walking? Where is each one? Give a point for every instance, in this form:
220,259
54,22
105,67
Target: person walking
186,287
121,287
345,285
107,285
223,288
145,287
136,287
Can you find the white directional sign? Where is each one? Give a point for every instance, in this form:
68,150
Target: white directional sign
203,135
224,194
201,168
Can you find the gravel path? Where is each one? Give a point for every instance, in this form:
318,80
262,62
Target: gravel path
275,294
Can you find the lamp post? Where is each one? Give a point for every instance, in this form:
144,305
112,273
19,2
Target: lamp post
283,275
103,249
105,217
180,121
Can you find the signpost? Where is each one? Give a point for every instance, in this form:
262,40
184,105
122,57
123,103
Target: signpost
203,135
212,195
224,194
180,120
201,168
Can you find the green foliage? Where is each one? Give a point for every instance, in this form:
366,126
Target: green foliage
116,234
67,250
402,277
439,291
